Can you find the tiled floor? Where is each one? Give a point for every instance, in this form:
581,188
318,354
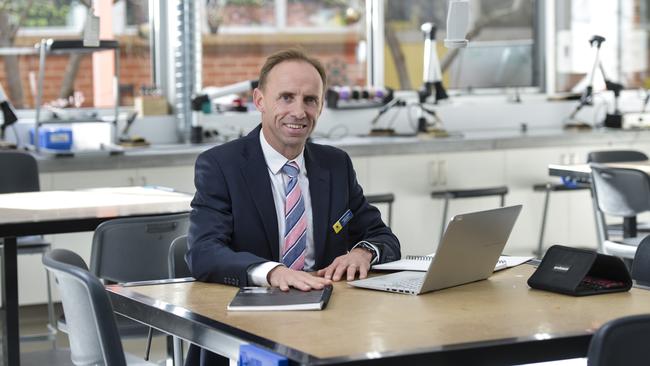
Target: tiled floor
33,320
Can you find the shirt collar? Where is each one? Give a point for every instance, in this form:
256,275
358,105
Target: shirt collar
275,161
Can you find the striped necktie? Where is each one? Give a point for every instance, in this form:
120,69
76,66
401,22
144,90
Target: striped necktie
295,235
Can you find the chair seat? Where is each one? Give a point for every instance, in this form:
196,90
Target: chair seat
380,198
126,327
469,193
62,357
52,357
29,247
133,360
559,187
616,230
131,328
626,248
33,244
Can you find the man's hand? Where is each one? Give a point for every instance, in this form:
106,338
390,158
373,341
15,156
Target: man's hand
358,260
284,278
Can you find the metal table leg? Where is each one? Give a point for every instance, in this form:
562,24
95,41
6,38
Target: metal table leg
10,298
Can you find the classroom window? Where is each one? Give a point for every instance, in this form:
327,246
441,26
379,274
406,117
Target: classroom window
624,53
501,51
26,23
238,35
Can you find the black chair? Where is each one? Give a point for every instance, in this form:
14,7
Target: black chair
622,341
176,263
620,192
93,335
604,156
450,194
641,263
617,156
134,249
20,174
386,198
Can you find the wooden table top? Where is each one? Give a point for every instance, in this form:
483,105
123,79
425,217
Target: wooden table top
358,321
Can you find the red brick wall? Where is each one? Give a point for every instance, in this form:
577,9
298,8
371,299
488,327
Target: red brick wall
230,63
226,60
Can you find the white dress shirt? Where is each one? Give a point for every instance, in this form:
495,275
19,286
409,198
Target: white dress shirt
274,162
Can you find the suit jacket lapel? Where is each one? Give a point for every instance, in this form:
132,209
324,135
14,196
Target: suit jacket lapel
319,191
255,172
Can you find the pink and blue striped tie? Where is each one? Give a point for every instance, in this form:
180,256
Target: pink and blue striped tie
295,235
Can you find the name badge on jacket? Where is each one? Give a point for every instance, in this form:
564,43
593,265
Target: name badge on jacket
340,223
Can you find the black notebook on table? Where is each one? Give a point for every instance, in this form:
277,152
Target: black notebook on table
274,299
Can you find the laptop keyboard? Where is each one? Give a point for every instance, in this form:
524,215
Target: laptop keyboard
598,284
409,284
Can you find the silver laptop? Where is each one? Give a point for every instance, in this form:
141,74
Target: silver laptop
468,252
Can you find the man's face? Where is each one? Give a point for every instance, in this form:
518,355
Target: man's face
290,104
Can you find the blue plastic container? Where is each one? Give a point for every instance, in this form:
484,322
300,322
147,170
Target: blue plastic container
59,138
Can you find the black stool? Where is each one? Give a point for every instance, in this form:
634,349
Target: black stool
466,193
387,198
548,188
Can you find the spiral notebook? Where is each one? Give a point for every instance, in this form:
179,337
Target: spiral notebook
421,263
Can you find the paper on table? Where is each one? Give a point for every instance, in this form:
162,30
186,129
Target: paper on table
421,263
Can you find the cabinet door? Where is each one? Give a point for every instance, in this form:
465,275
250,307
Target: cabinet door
45,180
476,169
407,177
180,178
417,218
360,166
93,179
524,169
472,170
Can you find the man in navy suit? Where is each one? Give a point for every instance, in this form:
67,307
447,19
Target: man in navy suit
271,207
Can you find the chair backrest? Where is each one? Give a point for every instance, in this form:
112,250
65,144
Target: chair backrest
641,263
93,335
619,191
622,341
20,172
613,156
176,259
135,248
387,198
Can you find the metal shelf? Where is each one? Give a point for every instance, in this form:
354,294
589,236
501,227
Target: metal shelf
76,46
64,121
58,47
